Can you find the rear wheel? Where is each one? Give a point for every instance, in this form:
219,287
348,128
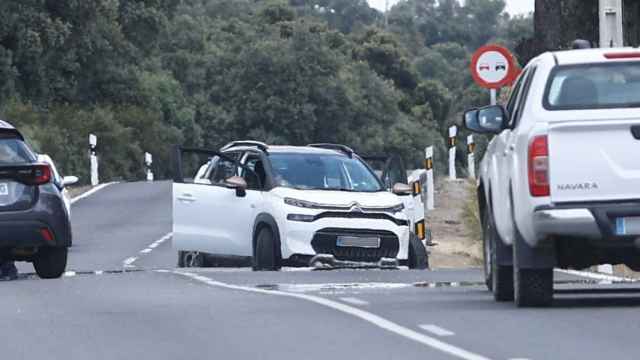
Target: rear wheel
532,287
191,259
499,278
266,257
418,257
51,263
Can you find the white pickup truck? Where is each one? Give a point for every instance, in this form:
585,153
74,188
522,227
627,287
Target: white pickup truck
560,182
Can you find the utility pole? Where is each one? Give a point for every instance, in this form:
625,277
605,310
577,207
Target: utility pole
386,15
611,30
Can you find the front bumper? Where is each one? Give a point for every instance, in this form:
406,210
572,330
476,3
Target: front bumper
592,221
297,238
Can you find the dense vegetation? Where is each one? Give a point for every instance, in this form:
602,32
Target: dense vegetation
145,74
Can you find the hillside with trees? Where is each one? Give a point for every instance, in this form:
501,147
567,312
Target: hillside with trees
146,74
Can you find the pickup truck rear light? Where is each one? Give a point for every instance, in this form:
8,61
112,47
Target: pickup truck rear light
623,55
539,167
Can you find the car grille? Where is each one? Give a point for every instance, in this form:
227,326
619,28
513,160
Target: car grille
362,215
325,242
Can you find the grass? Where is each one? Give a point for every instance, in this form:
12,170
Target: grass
471,213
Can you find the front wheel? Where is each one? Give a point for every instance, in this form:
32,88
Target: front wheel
418,257
499,278
51,263
266,252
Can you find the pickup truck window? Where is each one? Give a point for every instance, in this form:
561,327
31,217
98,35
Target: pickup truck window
594,86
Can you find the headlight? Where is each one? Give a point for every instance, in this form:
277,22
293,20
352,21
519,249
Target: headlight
396,209
300,203
301,218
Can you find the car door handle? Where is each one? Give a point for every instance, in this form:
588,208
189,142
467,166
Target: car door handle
186,197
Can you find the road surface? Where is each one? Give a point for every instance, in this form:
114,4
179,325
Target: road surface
123,298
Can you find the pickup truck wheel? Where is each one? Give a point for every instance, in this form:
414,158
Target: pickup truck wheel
499,278
50,263
532,287
418,258
266,255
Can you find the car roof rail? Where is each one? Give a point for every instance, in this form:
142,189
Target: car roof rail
250,143
337,147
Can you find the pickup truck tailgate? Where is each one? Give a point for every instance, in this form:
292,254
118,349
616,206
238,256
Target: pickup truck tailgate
594,160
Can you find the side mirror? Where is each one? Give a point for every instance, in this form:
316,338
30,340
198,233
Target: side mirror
401,189
70,180
487,120
237,183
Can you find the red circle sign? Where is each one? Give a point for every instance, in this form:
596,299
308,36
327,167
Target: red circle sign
493,67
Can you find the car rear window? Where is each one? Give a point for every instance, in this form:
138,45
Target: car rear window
14,151
594,86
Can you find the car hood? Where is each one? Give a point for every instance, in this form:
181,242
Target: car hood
340,198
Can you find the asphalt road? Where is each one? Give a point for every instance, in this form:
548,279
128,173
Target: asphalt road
154,311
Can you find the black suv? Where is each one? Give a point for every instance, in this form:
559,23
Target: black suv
34,221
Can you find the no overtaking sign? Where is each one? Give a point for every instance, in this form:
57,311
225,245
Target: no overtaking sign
493,67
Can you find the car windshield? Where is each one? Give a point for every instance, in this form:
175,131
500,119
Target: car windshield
14,152
323,172
594,86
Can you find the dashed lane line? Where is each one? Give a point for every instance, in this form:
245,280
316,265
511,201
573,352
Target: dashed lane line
354,301
371,318
436,330
602,278
91,192
128,263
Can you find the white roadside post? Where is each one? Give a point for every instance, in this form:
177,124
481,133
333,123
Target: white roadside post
471,157
93,143
453,132
148,161
428,165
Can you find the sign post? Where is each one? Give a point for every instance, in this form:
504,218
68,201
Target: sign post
471,157
148,160
428,165
453,132
93,143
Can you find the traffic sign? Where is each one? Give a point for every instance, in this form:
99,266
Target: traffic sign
493,67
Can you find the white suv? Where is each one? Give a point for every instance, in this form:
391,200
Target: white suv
560,181
282,205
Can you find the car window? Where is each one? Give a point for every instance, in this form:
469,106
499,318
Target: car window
14,152
323,172
256,179
511,104
594,86
221,170
522,98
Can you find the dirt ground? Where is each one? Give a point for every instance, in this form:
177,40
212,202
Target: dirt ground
459,245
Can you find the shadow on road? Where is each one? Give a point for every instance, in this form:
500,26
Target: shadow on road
583,298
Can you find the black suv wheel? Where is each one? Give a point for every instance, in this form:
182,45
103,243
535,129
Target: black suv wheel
50,263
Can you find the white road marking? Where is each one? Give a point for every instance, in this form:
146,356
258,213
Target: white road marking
91,192
353,311
596,276
129,261
69,274
301,288
354,301
436,330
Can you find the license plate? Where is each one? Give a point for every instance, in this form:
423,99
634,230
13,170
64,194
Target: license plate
628,225
370,242
4,189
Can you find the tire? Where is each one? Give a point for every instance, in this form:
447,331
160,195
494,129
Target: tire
50,263
191,259
498,278
266,256
418,257
532,287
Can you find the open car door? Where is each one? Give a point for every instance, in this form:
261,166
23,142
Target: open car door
212,210
391,170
